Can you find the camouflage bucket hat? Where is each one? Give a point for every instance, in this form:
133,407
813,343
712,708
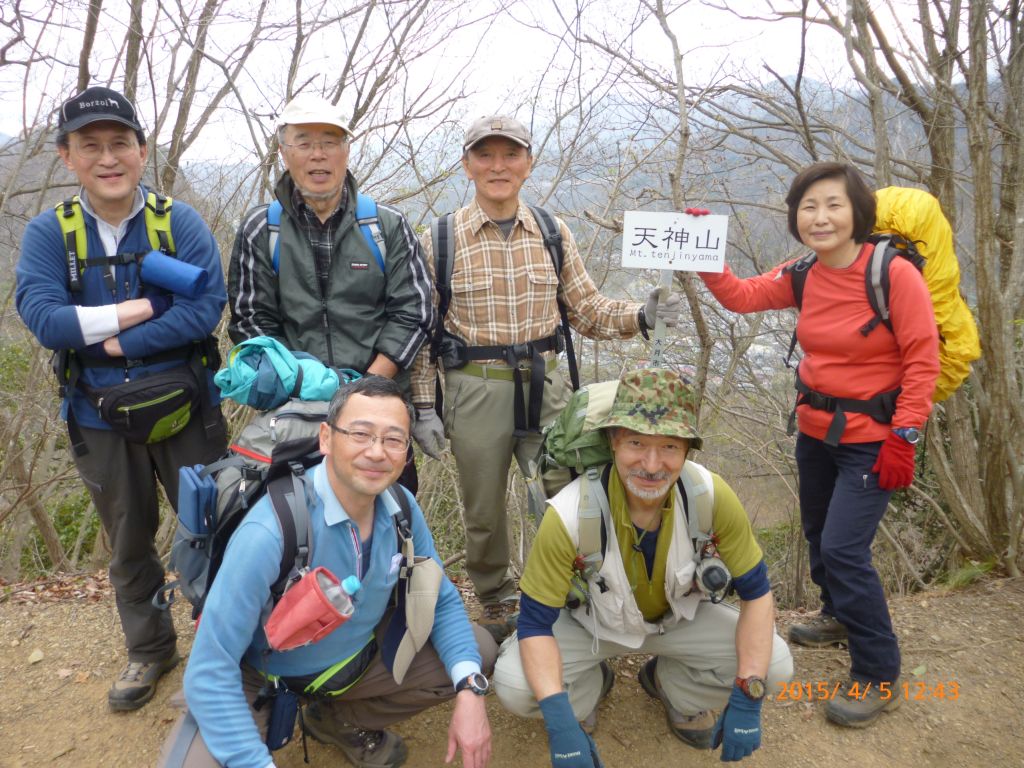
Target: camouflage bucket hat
655,401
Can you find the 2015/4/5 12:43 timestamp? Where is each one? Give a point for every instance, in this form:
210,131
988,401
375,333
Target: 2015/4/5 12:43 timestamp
824,690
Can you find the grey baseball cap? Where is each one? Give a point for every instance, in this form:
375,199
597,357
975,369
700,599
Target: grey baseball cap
496,125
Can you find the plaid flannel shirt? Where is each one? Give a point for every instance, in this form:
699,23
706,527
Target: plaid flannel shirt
505,291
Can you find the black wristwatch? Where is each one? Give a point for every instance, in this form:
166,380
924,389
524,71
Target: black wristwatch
475,682
910,434
753,687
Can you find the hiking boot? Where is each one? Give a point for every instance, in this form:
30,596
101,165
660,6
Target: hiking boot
862,709
694,730
499,619
820,631
362,748
137,683
589,723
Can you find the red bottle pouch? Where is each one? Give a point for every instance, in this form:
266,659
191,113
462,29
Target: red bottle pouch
306,613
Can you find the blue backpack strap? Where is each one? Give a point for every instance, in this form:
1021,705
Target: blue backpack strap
366,218
274,225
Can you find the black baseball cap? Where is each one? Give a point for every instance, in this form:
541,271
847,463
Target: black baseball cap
95,104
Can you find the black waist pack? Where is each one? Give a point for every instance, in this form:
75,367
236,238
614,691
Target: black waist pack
151,408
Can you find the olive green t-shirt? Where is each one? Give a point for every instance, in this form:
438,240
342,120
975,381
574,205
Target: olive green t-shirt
549,571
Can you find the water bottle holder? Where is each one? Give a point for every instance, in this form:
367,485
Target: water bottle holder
305,614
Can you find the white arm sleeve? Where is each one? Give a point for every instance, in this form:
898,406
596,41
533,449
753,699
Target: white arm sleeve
98,323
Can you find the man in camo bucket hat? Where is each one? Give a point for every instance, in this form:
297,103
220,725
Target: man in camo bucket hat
639,579
656,401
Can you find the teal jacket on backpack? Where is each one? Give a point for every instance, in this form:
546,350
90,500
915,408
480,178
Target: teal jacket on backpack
358,311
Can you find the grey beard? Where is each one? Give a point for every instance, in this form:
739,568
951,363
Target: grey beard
652,494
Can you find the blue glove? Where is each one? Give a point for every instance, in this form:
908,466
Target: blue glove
738,730
570,747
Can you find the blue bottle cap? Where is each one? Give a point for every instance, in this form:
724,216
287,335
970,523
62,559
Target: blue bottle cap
351,584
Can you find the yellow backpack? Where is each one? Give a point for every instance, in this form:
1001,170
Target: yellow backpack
917,216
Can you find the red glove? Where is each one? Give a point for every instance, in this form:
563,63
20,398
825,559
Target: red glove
895,463
697,211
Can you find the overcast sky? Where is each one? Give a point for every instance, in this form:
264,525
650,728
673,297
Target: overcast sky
715,42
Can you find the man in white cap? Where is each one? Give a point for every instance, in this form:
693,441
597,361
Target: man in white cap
498,338
324,269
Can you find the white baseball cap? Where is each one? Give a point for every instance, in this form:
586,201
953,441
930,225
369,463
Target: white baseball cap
308,108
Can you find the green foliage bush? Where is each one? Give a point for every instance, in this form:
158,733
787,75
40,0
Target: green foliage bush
69,516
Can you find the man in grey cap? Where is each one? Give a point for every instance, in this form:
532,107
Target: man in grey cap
498,338
83,292
324,269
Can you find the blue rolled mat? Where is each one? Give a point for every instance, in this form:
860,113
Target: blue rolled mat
171,274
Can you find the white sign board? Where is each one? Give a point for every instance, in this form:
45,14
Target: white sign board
676,241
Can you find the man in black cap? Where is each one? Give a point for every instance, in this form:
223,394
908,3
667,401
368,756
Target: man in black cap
133,358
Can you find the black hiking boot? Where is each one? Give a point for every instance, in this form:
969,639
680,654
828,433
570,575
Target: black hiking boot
692,730
500,619
821,631
858,705
137,683
363,748
589,723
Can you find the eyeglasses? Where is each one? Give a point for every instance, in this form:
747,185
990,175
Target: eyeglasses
364,439
328,147
93,150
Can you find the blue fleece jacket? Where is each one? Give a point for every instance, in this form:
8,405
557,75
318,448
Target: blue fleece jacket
47,306
231,629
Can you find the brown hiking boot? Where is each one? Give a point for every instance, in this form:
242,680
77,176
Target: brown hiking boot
500,619
589,723
821,631
858,705
693,730
362,748
137,683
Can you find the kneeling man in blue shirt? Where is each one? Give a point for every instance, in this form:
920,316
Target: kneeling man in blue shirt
364,442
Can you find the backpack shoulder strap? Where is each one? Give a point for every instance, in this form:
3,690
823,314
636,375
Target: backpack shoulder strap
552,238
592,511
288,499
699,489
876,283
366,219
72,226
158,222
442,238
593,504
403,518
274,233
798,276
797,272
876,276
556,248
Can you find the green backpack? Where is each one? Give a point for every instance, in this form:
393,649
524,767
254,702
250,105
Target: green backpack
573,440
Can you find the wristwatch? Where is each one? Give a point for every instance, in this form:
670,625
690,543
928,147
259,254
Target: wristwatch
753,687
910,434
475,682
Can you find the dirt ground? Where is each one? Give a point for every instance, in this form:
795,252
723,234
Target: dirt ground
60,653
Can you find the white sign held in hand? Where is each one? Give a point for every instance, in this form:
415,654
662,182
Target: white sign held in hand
676,241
